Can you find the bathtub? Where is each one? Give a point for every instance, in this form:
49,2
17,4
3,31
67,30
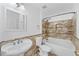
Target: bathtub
61,47
16,48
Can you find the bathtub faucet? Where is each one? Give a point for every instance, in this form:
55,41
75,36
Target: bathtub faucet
44,41
18,41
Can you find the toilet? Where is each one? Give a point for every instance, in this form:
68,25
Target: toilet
44,50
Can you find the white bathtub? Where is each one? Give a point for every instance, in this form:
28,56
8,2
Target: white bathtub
16,48
61,47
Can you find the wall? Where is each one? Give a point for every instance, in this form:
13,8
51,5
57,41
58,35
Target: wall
57,8
54,9
35,15
33,21
76,7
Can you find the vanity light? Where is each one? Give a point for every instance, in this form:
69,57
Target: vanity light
44,6
21,7
18,5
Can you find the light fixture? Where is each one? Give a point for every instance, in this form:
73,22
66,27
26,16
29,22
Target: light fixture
44,6
20,6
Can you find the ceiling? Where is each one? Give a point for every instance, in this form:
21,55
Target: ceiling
47,5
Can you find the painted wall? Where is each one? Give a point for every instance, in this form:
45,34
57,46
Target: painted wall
35,15
33,22
58,8
76,7
54,9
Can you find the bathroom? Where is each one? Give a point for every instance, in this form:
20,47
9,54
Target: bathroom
20,22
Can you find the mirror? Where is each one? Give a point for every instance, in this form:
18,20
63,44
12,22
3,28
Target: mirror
15,21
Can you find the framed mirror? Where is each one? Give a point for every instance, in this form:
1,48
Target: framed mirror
15,21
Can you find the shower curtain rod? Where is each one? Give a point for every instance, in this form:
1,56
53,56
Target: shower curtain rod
60,14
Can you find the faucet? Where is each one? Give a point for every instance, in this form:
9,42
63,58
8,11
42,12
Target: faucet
14,43
43,41
21,41
18,41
